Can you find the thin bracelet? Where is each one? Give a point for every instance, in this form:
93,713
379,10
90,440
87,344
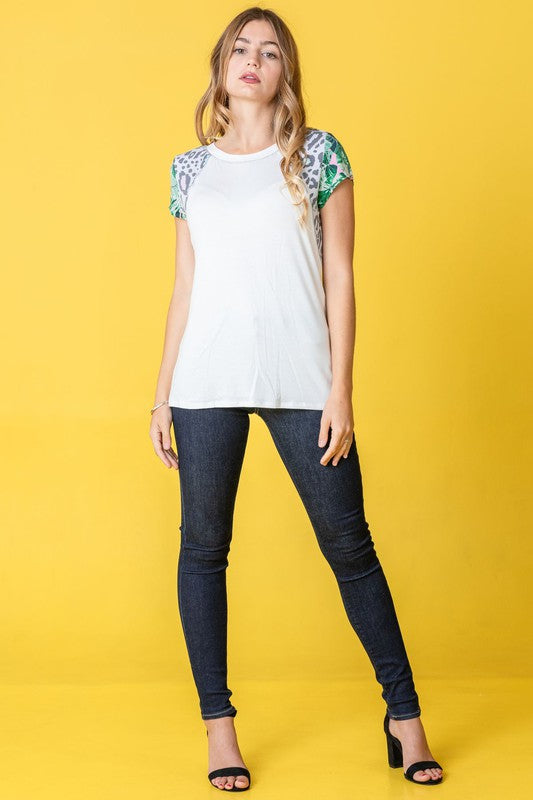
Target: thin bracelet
158,406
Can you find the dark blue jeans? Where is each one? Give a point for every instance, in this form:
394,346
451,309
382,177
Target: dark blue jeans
210,444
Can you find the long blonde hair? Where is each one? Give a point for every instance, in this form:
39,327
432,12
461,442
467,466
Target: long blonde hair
289,118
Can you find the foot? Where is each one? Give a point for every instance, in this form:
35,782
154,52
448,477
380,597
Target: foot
224,752
411,734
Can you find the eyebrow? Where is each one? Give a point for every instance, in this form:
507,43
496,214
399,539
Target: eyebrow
242,39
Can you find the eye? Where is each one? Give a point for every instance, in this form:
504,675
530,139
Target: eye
268,52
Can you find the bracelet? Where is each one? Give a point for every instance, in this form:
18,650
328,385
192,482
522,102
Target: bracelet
158,406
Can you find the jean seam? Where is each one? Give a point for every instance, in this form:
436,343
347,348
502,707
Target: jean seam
410,714
218,713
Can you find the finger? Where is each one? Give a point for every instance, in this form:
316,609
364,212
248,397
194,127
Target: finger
348,445
166,439
343,452
324,431
162,455
167,446
169,452
330,452
335,446
173,456
158,447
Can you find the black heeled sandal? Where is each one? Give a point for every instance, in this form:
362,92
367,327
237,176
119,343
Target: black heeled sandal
395,756
235,772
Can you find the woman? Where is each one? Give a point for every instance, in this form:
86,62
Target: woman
261,321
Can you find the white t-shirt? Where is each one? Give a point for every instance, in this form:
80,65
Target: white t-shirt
256,333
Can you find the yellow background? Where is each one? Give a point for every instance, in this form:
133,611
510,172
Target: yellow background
432,104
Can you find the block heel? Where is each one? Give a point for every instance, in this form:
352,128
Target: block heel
394,748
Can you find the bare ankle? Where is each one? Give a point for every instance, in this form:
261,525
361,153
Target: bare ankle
220,724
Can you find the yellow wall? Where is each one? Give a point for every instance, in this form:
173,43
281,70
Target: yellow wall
431,101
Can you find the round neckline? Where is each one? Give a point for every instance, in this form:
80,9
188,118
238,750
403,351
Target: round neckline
216,151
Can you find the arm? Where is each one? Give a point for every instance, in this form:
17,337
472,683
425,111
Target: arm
338,229
175,325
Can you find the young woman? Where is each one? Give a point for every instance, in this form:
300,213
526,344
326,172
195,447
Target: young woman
261,321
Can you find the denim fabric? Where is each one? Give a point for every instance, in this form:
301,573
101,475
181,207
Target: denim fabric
211,443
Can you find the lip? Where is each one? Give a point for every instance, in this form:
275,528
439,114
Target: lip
250,77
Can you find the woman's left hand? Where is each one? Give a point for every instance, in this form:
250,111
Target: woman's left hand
337,415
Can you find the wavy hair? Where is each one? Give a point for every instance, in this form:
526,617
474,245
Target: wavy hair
289,118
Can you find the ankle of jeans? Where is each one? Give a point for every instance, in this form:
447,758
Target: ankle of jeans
229,712
408,715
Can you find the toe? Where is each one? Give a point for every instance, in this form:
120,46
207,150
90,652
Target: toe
428,774
230,782
241,781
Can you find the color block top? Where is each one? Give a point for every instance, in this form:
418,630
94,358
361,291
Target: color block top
256,333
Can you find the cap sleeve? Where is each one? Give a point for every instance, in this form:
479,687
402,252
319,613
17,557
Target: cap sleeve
177,206
334,169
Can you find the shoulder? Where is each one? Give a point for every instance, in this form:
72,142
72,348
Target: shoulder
321,141
325,154
184,168
189,158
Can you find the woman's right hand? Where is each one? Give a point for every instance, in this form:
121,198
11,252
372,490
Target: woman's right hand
160,436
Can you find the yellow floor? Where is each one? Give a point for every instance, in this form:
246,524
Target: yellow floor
305,740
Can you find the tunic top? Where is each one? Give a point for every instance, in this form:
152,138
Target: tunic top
256,333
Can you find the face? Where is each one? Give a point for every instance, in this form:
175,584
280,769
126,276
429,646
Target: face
255,51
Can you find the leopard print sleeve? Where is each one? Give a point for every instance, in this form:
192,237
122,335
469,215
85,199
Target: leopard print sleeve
177,204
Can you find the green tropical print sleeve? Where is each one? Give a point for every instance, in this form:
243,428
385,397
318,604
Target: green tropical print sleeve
335,168
176,207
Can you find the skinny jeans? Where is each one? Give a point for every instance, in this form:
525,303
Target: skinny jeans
211,443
